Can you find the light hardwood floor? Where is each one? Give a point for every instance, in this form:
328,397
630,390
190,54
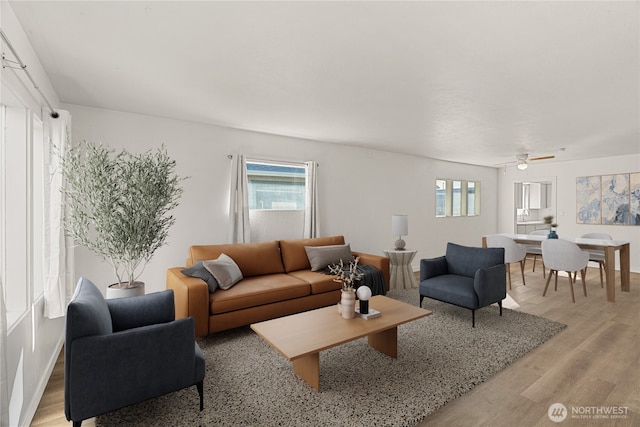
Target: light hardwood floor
594,364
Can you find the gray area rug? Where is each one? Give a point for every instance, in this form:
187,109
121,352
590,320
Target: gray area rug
441,357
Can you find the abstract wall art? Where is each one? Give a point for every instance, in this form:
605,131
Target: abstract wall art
588,194
634,197
608,199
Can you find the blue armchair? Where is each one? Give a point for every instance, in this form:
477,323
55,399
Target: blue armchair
122,351
467,277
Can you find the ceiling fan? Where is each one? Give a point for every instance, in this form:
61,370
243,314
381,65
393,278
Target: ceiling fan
523,159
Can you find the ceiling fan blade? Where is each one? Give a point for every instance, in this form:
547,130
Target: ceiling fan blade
542,158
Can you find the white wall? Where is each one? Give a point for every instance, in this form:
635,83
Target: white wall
565,174
359,189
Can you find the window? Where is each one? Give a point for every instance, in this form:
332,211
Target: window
37,206
457,198
441,198
21,205
276,200
276,186
14,203
472,209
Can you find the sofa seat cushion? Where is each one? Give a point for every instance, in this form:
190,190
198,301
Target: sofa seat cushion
294,255
451,288
255,291
254,259
319,282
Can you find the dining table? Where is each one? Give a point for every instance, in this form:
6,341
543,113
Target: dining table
610,247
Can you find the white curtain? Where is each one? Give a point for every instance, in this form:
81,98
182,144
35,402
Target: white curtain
311,223
4,380
58,248
239,231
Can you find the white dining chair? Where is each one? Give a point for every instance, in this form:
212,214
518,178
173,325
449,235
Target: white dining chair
536,250
596,255
562,255
513,252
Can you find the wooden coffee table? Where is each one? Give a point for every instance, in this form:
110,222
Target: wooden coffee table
301,337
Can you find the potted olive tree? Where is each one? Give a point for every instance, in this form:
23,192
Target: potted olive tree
119,206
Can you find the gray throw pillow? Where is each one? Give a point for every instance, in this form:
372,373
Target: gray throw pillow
198,270
225,270
322,256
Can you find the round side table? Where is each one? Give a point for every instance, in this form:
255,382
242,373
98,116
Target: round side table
401,272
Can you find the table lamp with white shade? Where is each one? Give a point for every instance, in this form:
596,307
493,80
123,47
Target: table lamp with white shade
363,310
364,294
399,227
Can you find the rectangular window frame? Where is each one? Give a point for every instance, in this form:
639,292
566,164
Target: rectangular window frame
37,175
15,208
458,200
22,144
261,180
287,218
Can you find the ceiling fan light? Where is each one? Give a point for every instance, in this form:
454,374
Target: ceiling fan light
522,165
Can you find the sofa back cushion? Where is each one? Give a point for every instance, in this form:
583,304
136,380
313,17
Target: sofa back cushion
465,260
294,256
254,259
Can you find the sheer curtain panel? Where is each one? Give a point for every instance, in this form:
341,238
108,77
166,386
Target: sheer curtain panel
239,230
311,223
58,248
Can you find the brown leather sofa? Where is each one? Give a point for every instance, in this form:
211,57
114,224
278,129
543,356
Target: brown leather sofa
277,281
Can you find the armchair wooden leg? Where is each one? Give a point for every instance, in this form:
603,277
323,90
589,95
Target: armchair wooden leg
77,423
522,271
500,305
509,275
421,298
473,318
584,285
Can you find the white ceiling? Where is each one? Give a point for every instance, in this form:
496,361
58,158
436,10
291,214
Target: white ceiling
471,82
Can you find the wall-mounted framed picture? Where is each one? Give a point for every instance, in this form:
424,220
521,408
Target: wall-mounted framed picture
608,199
588,195
634,198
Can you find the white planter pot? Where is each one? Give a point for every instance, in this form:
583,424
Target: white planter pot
119,291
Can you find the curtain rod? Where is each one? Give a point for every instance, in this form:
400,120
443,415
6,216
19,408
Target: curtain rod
23,67
272,161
